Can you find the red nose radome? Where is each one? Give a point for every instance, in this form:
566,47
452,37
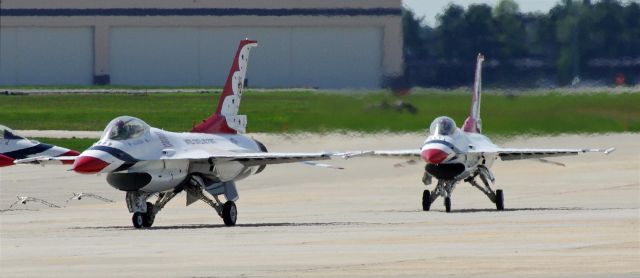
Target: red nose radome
89,165
434,156
5,161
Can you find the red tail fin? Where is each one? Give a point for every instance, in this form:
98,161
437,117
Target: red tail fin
226,118
473,122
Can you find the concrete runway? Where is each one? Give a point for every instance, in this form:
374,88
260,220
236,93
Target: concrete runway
582,220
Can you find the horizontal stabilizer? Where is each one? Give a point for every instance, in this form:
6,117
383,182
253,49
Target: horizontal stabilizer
47,160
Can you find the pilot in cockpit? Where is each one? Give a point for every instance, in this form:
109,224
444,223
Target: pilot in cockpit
443,126
121,131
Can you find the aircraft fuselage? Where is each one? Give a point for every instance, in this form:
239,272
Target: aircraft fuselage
157,160
451,157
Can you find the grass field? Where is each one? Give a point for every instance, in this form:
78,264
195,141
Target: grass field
78,144
291,111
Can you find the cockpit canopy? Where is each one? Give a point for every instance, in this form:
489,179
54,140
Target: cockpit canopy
125,128
7,133
443,126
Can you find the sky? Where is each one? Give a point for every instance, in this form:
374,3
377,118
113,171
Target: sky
430,8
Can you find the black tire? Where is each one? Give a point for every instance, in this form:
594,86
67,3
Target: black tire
499,200
447,204
149,220
426,200
140,220
229,213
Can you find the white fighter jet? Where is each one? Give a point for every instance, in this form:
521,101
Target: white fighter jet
13,147
455,154
145,161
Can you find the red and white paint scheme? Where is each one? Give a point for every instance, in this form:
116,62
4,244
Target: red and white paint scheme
145,161
14,147
455,154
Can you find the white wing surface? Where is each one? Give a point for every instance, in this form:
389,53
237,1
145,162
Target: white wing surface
518,154
410,153
252,158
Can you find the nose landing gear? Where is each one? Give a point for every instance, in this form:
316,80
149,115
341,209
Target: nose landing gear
444,188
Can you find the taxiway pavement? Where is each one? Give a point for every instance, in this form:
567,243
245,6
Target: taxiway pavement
582,220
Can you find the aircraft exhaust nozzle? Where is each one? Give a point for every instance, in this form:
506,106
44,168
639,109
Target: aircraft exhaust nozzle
89,165
434,156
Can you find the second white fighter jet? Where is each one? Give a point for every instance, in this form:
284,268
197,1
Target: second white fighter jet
455,154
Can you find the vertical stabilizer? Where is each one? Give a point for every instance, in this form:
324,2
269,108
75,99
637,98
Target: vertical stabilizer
226,118
473,123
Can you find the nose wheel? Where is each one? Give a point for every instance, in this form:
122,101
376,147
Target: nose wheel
447,204
144,213
426,200
444,188
140,220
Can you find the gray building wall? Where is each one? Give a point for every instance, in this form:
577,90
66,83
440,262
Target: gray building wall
325,44
56,56
293,57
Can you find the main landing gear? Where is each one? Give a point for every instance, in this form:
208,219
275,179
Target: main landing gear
445,188
497,197
144,212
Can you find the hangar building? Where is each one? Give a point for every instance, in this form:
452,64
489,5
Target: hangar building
303,43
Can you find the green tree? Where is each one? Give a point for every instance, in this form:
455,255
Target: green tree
481,31
450,42
412,28
510,30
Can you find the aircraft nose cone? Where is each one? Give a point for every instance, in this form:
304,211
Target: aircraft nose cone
434,156
5,161
89,165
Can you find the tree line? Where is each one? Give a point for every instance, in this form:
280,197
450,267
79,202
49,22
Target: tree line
576,43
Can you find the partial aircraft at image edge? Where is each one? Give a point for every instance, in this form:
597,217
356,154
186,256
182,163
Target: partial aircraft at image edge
14,147
455,154
145,161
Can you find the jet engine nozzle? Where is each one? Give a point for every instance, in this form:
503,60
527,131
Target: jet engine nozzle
89,165
434,156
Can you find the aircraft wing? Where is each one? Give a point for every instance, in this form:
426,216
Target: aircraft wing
47,160
410,153
503,153
256,158
517,154
251,159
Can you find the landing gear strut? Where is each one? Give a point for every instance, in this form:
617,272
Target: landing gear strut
487,179
144,213
444,188
227,210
